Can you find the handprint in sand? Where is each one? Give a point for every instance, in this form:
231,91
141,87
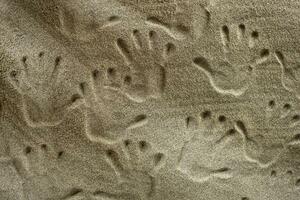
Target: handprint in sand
136,167
105,122
146,60
40,84
241,56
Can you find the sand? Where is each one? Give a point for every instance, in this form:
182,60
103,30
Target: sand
149,100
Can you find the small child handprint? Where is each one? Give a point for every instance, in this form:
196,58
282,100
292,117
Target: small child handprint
41,90
233,74
146,61
136,167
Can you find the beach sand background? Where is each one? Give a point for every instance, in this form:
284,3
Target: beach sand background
149,99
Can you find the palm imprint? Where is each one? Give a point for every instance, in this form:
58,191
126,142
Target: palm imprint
41,91
104,122
233,74
145,60
205,155
266,147
136,167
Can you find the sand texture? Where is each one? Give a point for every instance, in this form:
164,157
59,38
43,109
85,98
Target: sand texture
149,100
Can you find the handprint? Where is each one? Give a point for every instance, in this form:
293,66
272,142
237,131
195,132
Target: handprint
266,146
290,74
35,162
233,74
146,61
205,155
104,123
136,167
258,149
41,92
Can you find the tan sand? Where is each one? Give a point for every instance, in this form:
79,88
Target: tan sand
149,100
